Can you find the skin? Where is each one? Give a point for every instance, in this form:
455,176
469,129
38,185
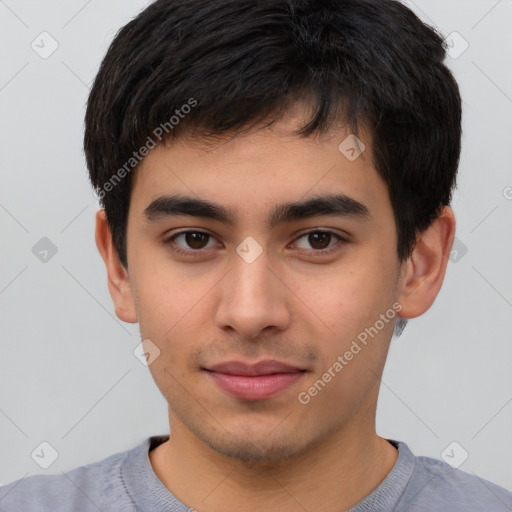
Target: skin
226,454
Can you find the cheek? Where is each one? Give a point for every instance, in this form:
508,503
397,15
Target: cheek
350,298
172,309
167,296
179,339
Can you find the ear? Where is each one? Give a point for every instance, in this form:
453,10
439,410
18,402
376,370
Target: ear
423,273
118,279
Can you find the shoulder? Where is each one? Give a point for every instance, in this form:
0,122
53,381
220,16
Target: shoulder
86,488
435,485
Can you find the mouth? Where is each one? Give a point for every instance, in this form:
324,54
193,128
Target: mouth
259,381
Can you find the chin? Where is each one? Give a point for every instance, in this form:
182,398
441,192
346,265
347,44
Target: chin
254,450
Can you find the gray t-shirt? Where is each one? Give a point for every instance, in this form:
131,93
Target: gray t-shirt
126,482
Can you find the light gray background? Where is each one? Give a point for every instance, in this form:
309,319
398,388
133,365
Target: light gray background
68,375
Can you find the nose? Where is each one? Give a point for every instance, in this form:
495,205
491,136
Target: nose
253,299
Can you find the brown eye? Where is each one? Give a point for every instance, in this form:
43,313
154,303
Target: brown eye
196,240
189,242
319,241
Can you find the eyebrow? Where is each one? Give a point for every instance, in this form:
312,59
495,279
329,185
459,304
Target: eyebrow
338,205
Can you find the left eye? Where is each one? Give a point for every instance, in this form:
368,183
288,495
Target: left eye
319,240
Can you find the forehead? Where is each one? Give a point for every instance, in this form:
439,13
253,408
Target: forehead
249,174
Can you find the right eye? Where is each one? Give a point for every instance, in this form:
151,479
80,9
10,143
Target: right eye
196,241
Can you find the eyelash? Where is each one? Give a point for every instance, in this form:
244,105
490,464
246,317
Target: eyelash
169,241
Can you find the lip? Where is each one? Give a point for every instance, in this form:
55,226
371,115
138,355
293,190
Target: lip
258,381
266,367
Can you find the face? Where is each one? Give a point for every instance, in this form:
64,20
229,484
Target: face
259,309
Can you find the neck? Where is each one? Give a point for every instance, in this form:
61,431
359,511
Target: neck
332,476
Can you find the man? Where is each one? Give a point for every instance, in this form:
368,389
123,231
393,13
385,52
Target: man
275,180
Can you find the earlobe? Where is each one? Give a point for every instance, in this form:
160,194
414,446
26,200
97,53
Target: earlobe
118,279
423,273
